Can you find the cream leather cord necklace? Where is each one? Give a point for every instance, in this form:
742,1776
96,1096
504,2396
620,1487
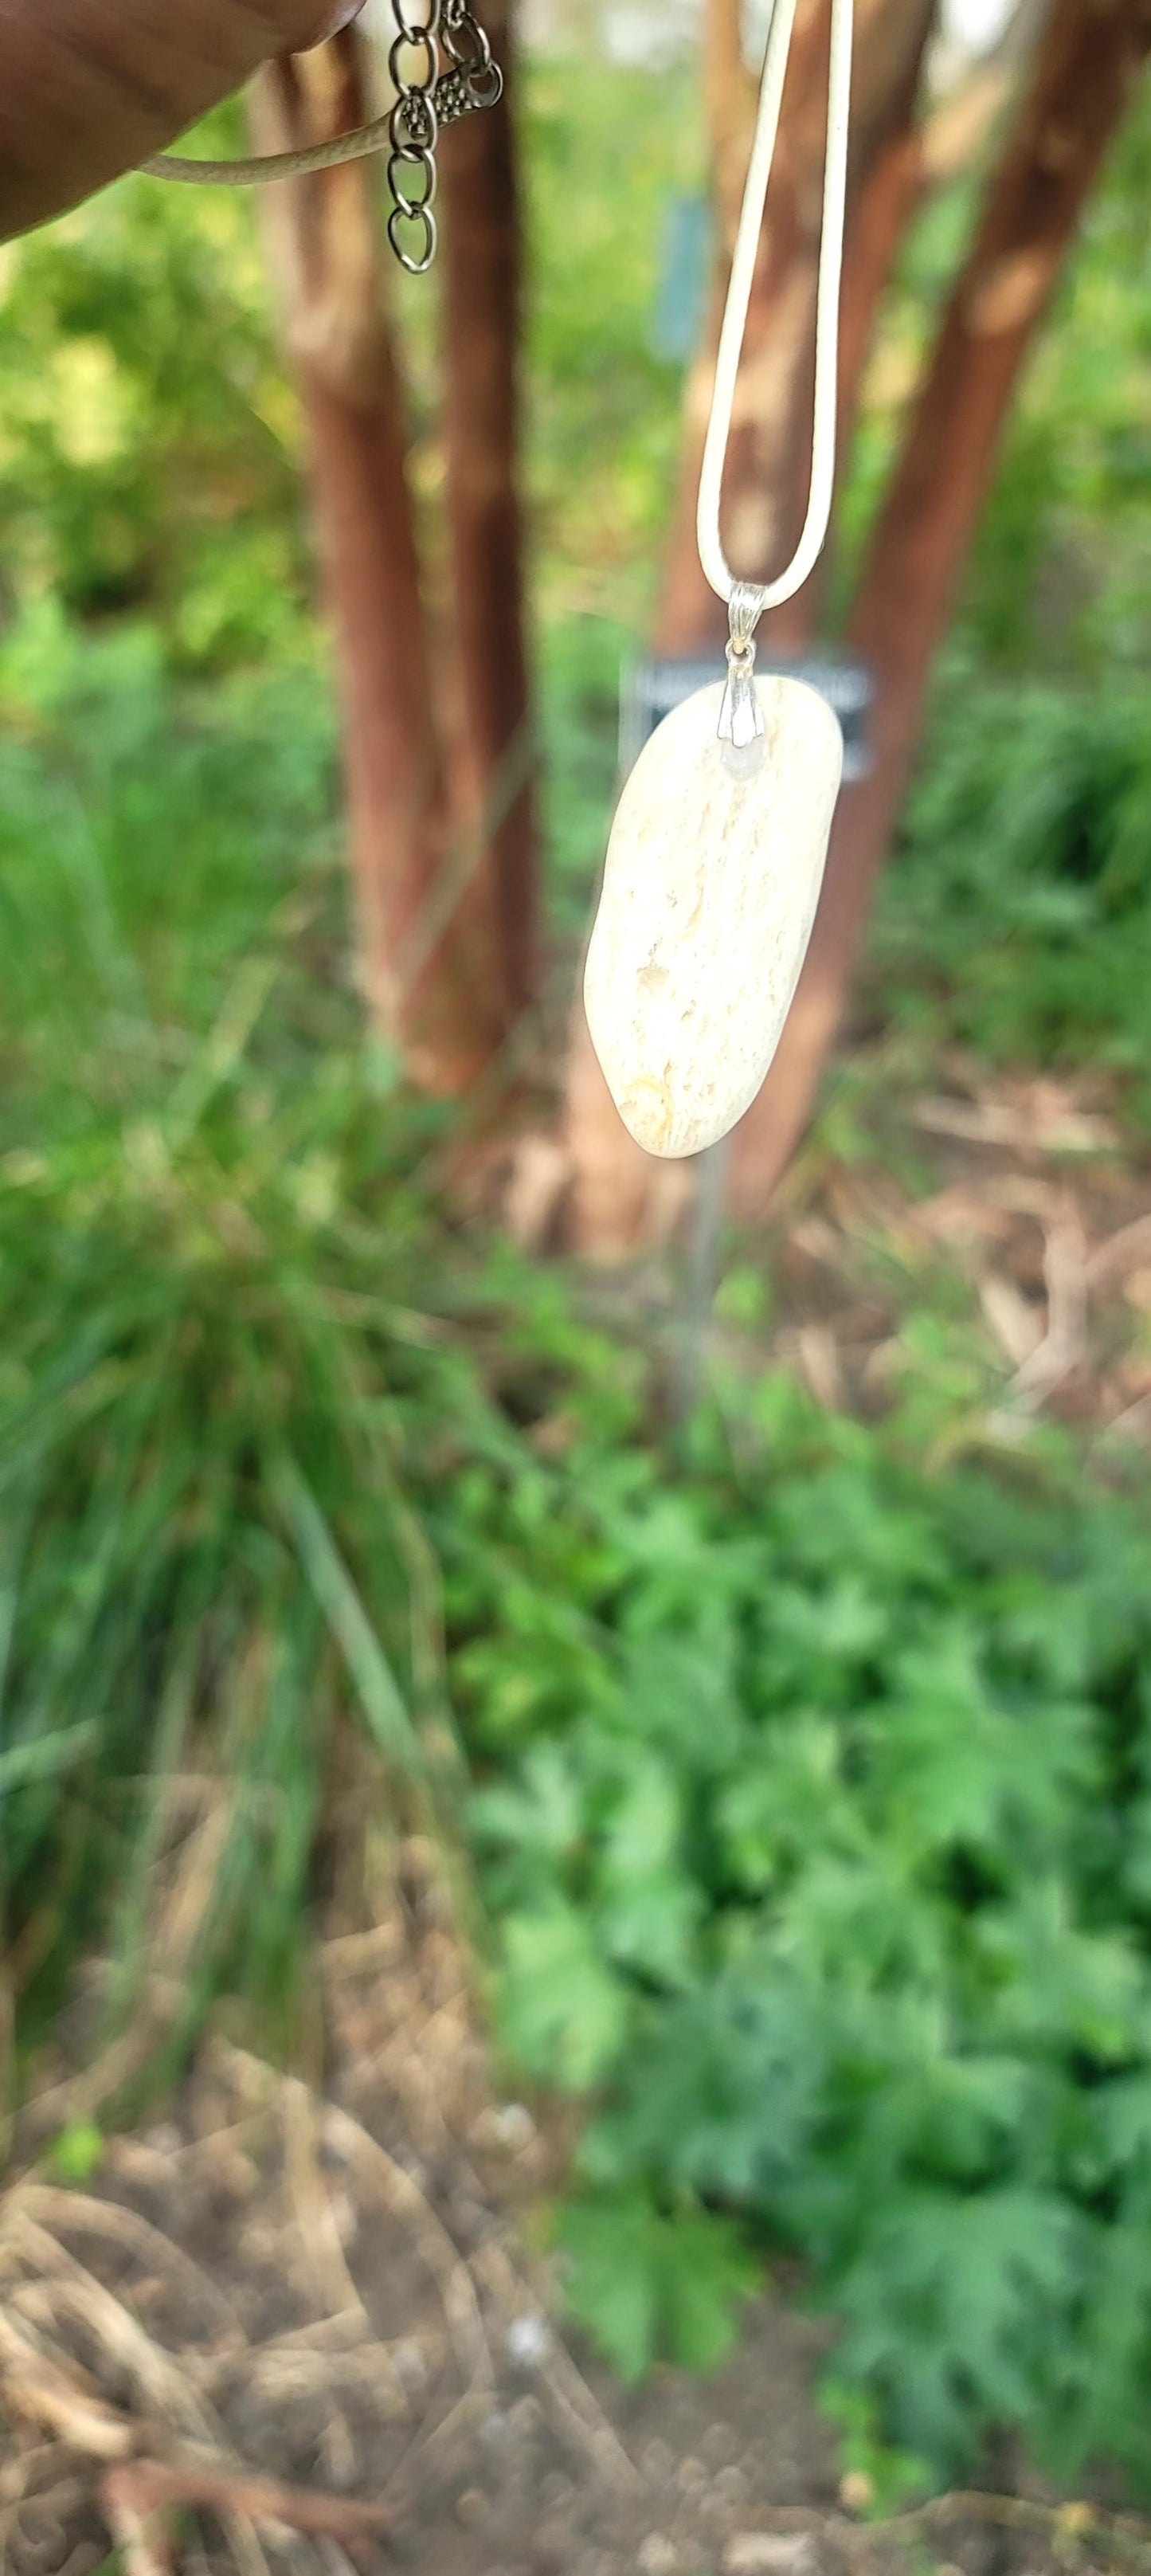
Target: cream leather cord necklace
719,843
441,68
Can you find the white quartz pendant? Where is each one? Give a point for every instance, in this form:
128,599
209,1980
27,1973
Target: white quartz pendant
713,873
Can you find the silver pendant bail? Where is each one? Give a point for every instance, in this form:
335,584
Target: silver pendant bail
741,727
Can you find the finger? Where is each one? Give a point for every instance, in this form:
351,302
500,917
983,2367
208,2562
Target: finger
334,21
89,88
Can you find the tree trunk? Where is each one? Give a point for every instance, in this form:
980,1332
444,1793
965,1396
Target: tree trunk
907,159
890,189
428,951
483,312
1087,63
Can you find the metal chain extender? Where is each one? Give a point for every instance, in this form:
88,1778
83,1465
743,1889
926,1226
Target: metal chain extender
426,101
428,96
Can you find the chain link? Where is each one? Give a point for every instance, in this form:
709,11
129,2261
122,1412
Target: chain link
426,99
414,68
467,46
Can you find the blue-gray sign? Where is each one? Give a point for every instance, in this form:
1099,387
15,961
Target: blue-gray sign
652,689
685,269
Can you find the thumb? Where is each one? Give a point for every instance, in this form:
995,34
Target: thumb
338,15
82,102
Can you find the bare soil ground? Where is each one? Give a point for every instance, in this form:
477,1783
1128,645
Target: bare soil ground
1015,1202
1014,1210
293,2326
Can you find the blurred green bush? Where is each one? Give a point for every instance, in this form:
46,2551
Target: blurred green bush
1017,914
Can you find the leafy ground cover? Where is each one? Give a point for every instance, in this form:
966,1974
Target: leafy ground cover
822,1857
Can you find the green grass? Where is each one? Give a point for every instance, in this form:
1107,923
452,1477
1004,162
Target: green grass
210,1253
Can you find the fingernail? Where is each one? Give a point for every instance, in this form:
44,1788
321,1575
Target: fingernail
336,20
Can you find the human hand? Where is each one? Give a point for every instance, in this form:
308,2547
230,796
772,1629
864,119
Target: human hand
89,88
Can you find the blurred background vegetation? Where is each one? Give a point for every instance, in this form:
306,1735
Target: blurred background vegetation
801,1748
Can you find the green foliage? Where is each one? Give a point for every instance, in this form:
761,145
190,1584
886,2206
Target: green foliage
146,837
151,453
645,2283
605,153
823,1859
563,2012
78,2153
1018,915
582,660
884,2480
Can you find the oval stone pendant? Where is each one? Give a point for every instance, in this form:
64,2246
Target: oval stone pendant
712,878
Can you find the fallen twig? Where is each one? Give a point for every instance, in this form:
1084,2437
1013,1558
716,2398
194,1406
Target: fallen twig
1075,2522
61,2402
150,2487
1065,1341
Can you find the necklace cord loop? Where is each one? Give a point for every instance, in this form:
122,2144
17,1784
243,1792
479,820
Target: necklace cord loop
712,557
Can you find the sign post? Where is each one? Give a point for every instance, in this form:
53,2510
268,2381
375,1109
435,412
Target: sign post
651,689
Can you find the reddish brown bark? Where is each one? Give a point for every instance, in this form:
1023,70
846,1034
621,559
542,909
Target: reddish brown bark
908,160
483,296
1087,64
889,191
428,941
